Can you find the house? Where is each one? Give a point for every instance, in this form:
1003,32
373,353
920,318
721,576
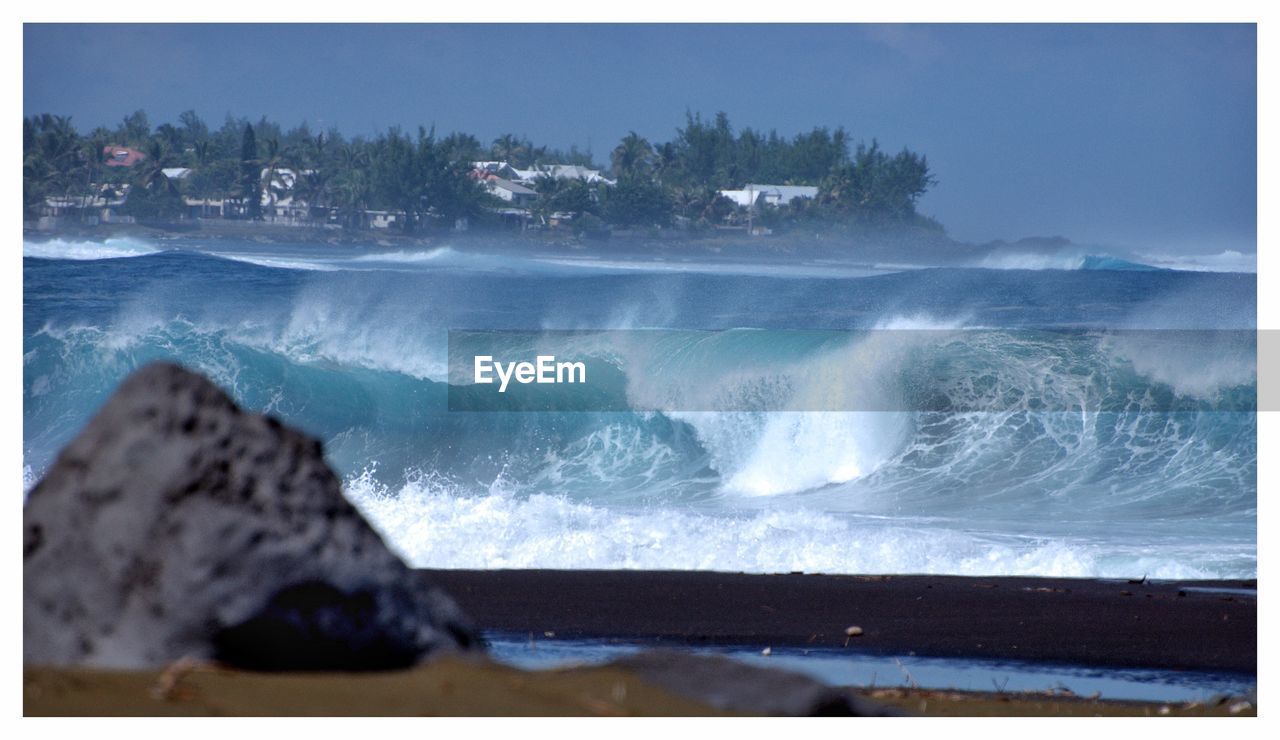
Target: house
211,207
501,169
527,177
177,173
278,200
514,193
100,205
754,194
288,210
572,172
121,156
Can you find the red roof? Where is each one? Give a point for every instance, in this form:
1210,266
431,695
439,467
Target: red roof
122,156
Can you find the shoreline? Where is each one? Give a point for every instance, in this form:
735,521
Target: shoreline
821,243
1181,625
1128,624
889,250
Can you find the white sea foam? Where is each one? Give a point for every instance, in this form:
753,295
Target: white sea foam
279,263
1032,261
779,452
373,261
435,524
408,257
1228,260
921,322
799,452
397,261
449,258
1225,261
64,249
745,268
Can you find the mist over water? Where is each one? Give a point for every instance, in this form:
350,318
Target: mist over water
1041,454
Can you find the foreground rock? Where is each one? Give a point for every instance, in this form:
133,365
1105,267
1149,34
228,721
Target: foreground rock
735,687
178,525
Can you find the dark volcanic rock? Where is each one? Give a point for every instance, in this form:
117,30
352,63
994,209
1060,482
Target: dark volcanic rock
177,524
733,686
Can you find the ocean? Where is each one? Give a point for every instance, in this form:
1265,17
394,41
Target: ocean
1030,442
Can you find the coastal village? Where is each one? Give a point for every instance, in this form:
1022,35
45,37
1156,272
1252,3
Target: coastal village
710,178
514,198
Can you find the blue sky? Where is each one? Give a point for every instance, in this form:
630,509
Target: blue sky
1139,136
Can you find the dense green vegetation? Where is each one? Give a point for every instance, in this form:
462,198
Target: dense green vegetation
426,179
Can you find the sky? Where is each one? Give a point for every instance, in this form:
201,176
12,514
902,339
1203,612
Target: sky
1139,136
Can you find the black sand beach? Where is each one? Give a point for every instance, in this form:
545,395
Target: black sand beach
1167,625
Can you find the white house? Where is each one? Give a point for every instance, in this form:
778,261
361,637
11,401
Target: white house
512,192
754,194
209,207
501,169
572,172
507,171
278,202
101,205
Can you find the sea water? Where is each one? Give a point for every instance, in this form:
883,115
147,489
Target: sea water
1042,453
848,667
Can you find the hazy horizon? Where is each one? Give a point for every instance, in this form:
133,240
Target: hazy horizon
1138,136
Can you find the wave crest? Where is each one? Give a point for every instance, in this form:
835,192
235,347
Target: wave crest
65,249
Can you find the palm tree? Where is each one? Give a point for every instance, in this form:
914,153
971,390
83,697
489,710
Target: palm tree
274,161
171,136
633,157
665,162
249,185
351,185
54,161
505,147
311,181
462,147
200,153
150,174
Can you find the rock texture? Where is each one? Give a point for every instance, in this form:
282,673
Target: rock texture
731,686
178,525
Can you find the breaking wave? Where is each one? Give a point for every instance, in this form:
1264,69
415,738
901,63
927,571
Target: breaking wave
1228,260
1031,443
64,249
919,443
1060,261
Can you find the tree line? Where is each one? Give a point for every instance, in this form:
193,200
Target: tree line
427,179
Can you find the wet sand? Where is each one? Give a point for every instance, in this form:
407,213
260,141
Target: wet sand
1164,625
